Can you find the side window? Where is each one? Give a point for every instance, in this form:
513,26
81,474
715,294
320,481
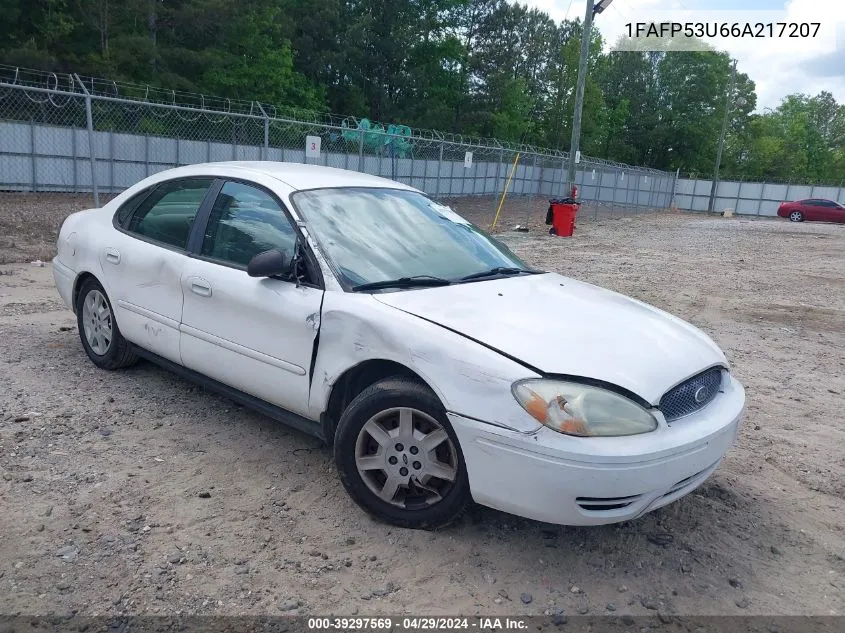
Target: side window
246,221
124,213
167,214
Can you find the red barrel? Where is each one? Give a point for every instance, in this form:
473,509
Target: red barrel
563,217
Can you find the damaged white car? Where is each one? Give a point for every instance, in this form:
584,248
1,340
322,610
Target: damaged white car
441,367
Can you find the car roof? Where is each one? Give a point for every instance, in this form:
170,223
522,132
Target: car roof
300,176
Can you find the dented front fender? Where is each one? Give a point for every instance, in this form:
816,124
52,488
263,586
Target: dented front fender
469,379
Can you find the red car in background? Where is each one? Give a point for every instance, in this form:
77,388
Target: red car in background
813,209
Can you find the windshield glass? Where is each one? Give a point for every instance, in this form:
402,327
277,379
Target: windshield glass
374,234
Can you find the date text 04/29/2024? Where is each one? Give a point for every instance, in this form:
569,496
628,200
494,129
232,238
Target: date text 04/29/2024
722,29
426,623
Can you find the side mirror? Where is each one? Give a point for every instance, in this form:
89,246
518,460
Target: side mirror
269,264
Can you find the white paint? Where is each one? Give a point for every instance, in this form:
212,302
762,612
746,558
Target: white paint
520,475
563,326
257,335
312,146
467,160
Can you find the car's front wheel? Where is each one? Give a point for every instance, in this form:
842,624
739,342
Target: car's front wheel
796,216
399,458
98,330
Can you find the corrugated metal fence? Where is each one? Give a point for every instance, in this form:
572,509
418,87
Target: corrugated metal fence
748,198
48,124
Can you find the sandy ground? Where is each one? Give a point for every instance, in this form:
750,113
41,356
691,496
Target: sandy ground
101,473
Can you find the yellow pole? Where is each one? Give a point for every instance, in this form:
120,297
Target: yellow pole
504,193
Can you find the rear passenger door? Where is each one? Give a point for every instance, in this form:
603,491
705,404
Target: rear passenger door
254,334
142,262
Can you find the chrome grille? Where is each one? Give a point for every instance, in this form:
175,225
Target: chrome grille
692,395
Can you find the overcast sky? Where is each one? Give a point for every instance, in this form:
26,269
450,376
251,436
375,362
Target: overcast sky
777,66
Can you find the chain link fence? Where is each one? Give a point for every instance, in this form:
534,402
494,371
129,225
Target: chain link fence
49,124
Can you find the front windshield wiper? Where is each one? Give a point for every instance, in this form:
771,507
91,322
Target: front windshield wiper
404,282
499,270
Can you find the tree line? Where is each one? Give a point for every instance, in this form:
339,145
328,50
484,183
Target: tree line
488,68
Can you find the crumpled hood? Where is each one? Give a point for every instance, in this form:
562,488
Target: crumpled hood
562,326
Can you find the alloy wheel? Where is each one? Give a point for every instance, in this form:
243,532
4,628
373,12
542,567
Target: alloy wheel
97,322
406,458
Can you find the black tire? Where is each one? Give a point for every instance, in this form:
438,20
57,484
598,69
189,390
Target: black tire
553,231
796,216
119,352
381,396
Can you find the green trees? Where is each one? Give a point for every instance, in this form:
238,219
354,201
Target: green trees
477,67
802,140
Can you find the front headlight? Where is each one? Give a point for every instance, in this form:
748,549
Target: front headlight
582,410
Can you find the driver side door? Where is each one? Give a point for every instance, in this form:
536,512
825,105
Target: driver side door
254,334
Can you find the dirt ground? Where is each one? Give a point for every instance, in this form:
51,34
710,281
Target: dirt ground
136,492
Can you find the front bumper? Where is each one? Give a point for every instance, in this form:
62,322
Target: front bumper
548,476
64,278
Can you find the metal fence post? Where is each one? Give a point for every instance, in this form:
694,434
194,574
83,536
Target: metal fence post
265,151
73,145
562,174
147,155
361,153
788,186
498,178
234,143
650,192
675,189
32,155
738,195
439,168
89,118
531,194
111,161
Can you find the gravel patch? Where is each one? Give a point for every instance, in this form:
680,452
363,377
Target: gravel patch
137,492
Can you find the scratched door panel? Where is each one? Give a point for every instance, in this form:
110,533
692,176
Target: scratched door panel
143,283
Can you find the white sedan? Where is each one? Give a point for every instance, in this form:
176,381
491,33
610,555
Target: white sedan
440,366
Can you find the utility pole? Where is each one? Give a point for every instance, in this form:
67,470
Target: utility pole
579,93
729,103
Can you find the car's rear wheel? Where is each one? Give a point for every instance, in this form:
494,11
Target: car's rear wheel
98,329
796,216
399,458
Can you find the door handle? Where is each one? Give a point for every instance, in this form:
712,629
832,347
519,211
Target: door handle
112,256
200,287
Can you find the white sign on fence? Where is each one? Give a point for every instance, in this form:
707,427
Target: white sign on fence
468,160
312,147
